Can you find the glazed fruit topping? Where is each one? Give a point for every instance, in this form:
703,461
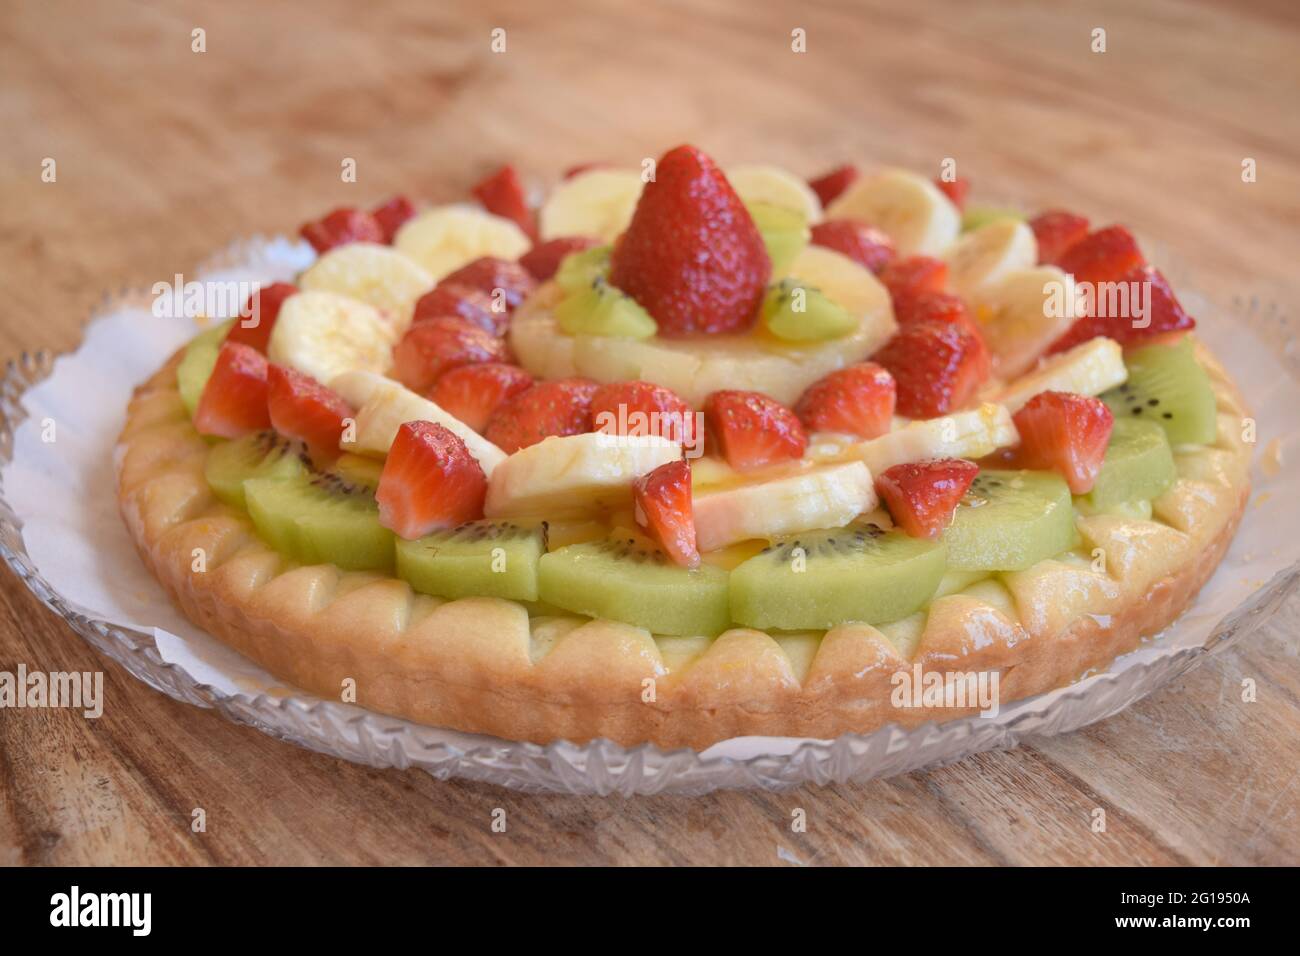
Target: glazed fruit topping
473,392
433,346
1102,256
829,186
341,227
1056,231
1163,313
234,400
392,215
662,502
430,482
502,194
913,276
937,367
303,409
642,408
463,302
922,496
262,308
858,400
956,190
1065,433
559,407
864,244
692,256
752,430
934,307
509,281
543,260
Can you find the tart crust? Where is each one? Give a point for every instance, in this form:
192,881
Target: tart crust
481,665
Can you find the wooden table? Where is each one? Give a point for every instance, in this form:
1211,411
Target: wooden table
164,154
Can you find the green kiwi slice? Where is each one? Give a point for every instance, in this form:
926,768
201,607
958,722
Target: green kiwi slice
319,517
798,312
1139,465
601,309
479,559
819,579
197,363
785,233
1011,520
262,454
623,580
977,217
1166,385
578,270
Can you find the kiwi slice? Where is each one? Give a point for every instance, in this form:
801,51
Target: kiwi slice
197,363
479,559
819,579
262,454
785,233
978,216
578,270
1011,520
623,580
798,312
320,517
601,309
1166,385
360,470
1139,465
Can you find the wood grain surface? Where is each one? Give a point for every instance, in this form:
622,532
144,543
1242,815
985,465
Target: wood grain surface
164,155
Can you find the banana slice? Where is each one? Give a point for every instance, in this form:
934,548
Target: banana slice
377,275
773,185
973,433
985,256
324,334
447,237
827,497
383,405
1022,315
1089,368
598,203
574,474
909,208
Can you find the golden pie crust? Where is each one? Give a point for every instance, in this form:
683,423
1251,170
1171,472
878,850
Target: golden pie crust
481,664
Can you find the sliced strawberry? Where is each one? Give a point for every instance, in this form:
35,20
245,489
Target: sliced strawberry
1102,256
302,408
642,408
581,168
509,281
1056,231
662,500
752,430
692,256
922,496
863,244
392,215
503,194
233,402
937,367
914,276
559,407
857,400
461,301
956,191
1065,433
934,307
430,482
473,392
431,347
341,227
1164,313
829,186
262,308
544,260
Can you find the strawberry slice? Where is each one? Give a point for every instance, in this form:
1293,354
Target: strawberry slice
692,256
922,496
543,260
937,367
1102,256
642,408
934,307
857,400
559,407
433,346
1164,313
461,301
510,281
341,227
1056,231
233,402
430,482
303,409
262,308
581,168
914,276
662,502
392,215
503,194
1065,433
829,186
956,191
473,392
863,244
753,430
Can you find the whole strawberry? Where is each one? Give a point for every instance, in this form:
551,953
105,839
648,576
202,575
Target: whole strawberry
692,256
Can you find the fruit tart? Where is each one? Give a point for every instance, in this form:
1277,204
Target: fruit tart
688,454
